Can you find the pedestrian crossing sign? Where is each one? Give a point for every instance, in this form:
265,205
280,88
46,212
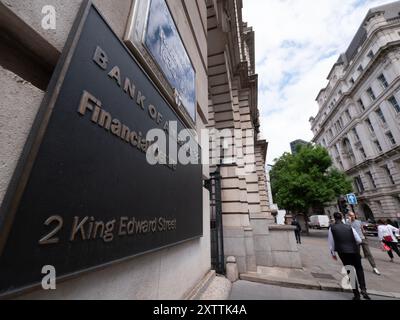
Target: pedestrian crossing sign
352,199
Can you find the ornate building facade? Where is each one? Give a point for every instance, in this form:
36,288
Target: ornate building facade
359,114
250,233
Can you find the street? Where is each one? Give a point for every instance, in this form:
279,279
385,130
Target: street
318,264
316,259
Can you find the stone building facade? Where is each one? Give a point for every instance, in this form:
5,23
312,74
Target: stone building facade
249,230
358,118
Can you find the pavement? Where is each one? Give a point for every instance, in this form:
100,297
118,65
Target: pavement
244,290
316,259
219,289
322,275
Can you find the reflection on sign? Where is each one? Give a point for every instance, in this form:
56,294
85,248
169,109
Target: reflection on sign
165,45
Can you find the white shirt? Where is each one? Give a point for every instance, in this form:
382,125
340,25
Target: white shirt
387,231
331,240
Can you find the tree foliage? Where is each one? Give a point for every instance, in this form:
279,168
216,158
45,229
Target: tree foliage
307,180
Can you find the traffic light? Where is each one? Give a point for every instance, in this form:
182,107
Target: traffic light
343,206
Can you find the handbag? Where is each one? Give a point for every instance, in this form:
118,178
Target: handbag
388,239
385,247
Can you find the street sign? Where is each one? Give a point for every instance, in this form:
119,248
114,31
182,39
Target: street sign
352,199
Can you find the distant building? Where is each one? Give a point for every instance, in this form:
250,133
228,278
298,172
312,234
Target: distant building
359,112
295,144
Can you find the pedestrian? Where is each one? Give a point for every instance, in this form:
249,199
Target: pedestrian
357,225
298,230
387,234
344,240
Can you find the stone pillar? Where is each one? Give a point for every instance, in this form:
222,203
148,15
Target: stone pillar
262,246
285,253
250,252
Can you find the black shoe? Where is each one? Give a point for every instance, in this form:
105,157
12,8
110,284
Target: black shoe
356,298
365,295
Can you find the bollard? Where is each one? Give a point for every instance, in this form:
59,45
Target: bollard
232,271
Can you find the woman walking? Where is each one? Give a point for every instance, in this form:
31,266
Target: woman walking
387,234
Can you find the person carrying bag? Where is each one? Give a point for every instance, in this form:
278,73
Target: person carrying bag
387,235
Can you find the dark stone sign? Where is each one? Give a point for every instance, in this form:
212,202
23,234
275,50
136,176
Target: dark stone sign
83,195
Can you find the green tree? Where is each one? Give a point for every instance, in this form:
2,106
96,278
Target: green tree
307,180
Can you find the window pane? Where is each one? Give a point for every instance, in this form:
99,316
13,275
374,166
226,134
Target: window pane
383,81
394,103
371,94
380,115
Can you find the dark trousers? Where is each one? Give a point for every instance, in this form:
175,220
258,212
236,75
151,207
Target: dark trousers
354,260
298,236
394,247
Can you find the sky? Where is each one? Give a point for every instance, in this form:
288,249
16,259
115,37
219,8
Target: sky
297,43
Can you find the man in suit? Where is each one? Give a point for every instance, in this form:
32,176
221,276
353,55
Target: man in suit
344,240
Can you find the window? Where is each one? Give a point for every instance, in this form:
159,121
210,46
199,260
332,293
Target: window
383,81
336,152
390,137
356,134
360,68
359,185
371,179
341,123
348,115
363,154
341,164
361,104
370,54
371,94
378,146
380,114
394,103
389,174
370,126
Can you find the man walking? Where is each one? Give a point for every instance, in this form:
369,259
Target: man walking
344,240
297,231
357,225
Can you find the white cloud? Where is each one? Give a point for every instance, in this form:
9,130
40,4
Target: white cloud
297,42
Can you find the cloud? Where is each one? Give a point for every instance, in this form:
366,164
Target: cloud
297,43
